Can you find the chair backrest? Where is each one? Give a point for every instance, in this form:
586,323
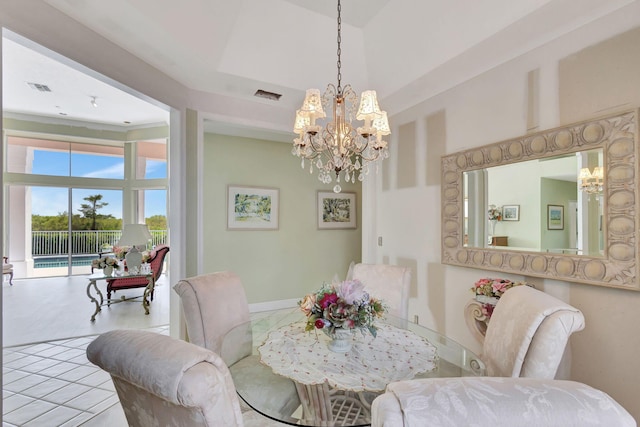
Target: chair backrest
390,283
496,402
528,334
213,304
164,381
157,260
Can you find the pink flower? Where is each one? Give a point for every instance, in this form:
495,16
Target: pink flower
500,286
327,300
351,291
480,283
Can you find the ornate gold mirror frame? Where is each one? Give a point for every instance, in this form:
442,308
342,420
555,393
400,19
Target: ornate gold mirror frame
617,136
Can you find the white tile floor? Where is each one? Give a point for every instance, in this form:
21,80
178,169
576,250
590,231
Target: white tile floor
47,379
53,384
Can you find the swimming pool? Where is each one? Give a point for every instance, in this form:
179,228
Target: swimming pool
63,261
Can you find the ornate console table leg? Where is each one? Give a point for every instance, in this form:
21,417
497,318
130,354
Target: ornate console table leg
148,290
476,319
92,282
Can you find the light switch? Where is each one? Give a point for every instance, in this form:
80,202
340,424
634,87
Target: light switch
379,240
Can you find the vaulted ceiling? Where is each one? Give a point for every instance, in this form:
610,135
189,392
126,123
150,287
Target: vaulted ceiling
407,50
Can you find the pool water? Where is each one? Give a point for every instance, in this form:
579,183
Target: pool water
63,261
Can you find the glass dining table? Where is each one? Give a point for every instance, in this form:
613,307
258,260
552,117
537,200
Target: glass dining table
291,376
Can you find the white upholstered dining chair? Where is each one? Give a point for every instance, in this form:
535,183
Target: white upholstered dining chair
390,283
213,305
496,402
162,381
528,335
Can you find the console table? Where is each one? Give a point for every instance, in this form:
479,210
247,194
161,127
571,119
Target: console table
500,241
99,300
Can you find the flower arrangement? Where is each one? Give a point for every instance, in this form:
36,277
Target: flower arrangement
494,213
121,252
488,291
344,305
103,262
494,287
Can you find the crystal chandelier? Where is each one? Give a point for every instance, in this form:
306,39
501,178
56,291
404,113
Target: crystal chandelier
591,183
337,148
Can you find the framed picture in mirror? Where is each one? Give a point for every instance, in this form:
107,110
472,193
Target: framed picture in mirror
555,217
511,213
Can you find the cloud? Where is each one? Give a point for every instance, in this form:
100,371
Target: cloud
116,171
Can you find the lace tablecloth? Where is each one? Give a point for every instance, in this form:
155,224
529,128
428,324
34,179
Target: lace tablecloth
395,354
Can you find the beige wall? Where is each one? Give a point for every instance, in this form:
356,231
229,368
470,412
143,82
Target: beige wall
284,263
602,77
584,74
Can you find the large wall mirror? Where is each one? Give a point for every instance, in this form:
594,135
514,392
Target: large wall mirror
560,204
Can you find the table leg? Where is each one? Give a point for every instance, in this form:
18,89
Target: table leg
92,282
315,401
148,290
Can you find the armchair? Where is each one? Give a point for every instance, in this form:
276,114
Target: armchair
7,269
528,335
156,261
213,305
496,402
390,283
167,382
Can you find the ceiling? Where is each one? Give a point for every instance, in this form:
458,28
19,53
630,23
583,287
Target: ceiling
407,50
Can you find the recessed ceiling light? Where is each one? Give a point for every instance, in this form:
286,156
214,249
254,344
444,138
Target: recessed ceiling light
127,122
93,101
267,95
62,114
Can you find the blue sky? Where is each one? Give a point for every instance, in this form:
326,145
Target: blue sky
52,201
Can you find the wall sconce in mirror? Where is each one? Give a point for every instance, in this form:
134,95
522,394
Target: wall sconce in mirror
609,254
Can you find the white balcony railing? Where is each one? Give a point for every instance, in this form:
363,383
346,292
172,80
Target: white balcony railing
49,243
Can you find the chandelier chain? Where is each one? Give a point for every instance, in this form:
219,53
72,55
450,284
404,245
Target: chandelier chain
339,63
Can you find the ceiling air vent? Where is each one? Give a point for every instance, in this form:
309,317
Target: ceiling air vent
39,87
267,95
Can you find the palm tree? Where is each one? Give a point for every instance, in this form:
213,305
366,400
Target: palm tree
91,210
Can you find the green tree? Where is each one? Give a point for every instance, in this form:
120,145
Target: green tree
90,210
156,222
50,223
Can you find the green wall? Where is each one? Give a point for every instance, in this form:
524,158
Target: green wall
556,192
277,264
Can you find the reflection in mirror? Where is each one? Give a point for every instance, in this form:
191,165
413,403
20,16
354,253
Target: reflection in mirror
507,205
536,234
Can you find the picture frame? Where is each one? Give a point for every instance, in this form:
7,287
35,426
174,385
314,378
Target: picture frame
511,213
555,217
252,208
336,211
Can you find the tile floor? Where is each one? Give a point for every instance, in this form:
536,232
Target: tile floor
46,377
53,384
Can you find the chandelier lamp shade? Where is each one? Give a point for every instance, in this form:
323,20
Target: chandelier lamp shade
338,148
